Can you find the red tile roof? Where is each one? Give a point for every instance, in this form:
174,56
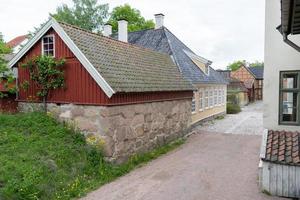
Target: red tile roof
283,147
16,41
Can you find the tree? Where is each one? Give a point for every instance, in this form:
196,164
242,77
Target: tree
135,21
6,75
236,65
87,14
47,73
256,64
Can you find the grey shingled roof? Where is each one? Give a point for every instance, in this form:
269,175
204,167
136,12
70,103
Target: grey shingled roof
258,72
127,67
162,40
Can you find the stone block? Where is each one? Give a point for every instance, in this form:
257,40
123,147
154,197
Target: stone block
77,111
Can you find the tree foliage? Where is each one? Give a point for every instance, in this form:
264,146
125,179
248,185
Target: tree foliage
87,14
256,64
47,73
136,22
236,65
6,75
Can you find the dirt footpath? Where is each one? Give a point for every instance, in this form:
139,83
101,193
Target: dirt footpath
207,167
248,122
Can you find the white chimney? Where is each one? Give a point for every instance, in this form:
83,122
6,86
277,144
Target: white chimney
159,20
107,30
122,30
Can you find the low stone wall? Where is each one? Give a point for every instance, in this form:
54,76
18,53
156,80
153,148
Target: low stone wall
126,129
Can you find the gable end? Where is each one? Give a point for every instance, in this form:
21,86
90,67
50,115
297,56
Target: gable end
71,45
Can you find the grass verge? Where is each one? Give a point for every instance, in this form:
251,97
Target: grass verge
43,159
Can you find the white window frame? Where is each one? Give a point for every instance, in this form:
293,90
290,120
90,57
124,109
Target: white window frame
194,101
219,96
206,97
215,97
201,100
211,97
223,95
49,35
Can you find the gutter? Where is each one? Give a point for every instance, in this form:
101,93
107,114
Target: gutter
290,43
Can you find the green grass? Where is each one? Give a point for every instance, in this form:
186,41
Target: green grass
43,159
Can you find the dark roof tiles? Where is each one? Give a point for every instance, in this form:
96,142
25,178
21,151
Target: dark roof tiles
258,72
162,40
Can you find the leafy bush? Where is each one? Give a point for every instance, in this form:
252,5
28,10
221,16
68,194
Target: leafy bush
232,98
233,108
43,159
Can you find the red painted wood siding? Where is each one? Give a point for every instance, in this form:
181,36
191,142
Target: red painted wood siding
8,104
80,86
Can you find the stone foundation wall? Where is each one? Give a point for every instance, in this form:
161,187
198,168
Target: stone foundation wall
126,129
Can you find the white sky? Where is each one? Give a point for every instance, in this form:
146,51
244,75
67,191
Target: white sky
219,30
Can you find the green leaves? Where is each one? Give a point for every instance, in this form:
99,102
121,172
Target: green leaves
237,64
135,21
87,14
47,73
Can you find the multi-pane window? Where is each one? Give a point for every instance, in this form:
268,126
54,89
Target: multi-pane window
48,45
220,97
289,98
223,95
211,97
193,104
215,97
201,101
206,98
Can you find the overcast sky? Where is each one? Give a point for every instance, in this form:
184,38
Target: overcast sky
219,30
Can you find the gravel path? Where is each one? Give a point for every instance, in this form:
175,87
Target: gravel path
207,167
249,122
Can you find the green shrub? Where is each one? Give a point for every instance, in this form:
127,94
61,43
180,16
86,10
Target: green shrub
44,159
232,98
233,108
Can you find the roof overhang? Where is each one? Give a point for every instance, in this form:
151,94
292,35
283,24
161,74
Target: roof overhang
52,23
290,21
290,17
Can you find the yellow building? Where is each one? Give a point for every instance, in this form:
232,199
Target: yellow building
210,87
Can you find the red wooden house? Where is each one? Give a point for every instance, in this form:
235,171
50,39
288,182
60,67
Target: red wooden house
133,98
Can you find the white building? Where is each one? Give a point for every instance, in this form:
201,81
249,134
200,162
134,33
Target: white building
280,157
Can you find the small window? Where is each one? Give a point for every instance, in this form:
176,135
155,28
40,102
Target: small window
193,104
201,102
215,97
289,98
211,97
48,45
220,97
206,99
223,96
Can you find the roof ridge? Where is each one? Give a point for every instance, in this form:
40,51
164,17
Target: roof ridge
166,29
112,39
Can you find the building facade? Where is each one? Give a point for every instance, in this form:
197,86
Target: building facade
210,96
280,157
132,98
252,77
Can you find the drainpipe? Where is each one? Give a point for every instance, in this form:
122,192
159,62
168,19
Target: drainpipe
289,42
